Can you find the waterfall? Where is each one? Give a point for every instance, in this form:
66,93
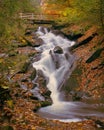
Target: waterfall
47,63
56,63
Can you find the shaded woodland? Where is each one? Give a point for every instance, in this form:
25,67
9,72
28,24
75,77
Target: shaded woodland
79,20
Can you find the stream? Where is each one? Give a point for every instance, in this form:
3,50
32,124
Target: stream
56,63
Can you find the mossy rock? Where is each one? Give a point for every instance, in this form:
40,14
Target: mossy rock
47,93
45,103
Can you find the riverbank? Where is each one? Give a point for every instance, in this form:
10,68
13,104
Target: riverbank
19,108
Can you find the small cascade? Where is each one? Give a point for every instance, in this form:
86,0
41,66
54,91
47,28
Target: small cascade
56,64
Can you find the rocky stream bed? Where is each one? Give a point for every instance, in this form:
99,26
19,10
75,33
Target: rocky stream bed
27,95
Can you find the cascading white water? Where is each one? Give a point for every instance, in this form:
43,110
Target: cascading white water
47,63
56,75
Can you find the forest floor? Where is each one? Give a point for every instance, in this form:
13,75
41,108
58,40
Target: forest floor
18,112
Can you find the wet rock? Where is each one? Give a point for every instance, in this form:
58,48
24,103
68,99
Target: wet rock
56,32
37,42
48,29
36,93
67,56
33,98
56,59
35,85
46,94
59,33
34,36
42,30
24,87
45,103
28,32
58,50
99,124
36,107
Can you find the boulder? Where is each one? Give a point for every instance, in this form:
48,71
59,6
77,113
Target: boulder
45,103
58,50
36,43
56,32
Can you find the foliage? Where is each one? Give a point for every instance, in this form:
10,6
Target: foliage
88,10
75,11
10,28
9,14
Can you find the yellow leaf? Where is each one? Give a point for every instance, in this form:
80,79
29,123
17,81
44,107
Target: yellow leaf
10,103
33,128
23,40
5,87
1,60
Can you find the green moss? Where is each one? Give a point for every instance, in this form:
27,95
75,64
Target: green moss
45,103
25,67
13,53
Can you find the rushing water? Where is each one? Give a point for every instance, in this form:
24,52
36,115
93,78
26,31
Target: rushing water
56,67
